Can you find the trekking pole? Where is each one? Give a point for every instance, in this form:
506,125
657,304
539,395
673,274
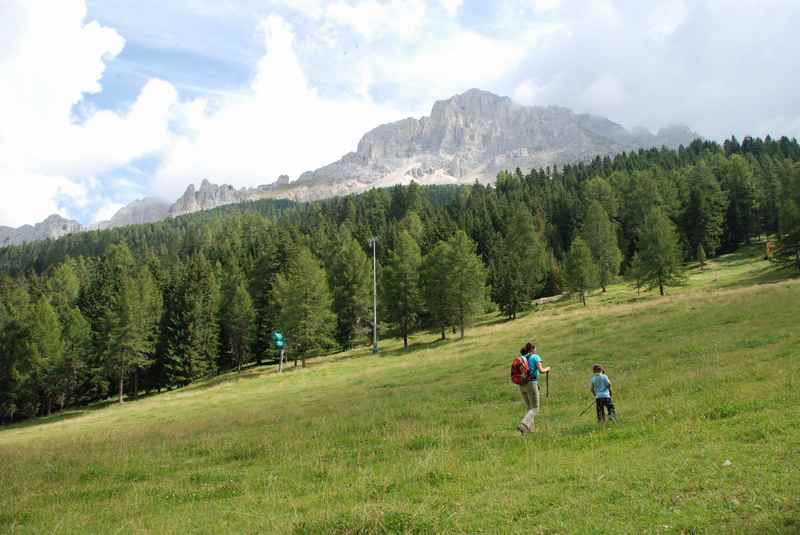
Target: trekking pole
547,385
584,411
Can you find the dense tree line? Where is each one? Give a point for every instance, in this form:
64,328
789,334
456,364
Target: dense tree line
156,306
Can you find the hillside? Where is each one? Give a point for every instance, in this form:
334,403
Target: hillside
423,441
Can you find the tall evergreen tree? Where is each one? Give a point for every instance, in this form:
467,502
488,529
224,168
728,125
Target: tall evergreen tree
240,318
136,314
466,281
582,273
703,215
401,293
602,240
46,349
352,291
660,252
519,267
741,216
15,363
303,299
435,286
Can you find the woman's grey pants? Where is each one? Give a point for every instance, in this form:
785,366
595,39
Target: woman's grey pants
530,395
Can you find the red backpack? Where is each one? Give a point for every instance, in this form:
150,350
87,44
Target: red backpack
519,371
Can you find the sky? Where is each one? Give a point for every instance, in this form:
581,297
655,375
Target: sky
106,101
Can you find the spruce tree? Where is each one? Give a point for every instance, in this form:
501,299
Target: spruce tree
601,237
703,214
519,267
660,252
401,295
466,280
581,271
352,291
303,299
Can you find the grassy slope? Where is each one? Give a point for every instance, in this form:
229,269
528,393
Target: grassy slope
424,441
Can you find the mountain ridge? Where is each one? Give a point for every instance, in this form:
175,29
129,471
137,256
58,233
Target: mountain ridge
466,138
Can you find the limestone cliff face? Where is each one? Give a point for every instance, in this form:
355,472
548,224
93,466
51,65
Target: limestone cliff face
139,212
53,227
473,136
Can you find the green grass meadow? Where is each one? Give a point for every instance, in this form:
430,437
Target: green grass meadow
424,440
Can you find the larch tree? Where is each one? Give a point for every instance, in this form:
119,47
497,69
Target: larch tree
660,252
599,234
240,319
466,281
581,272
434,283
303,299
352,290
137,310
401,292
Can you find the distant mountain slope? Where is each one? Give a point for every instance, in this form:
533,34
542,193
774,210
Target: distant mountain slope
53,227
139,212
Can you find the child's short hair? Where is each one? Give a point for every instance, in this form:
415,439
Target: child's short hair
597,368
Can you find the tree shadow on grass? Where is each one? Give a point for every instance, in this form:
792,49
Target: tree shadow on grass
768,275
419,346
66,414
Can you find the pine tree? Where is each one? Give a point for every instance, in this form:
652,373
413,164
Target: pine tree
582,273
434,283
466,281
660,252
401,285
303,299
601,237
352,291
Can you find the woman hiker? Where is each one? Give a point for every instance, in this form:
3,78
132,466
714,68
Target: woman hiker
530,389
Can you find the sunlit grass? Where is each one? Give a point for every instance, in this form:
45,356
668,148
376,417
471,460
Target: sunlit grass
423,441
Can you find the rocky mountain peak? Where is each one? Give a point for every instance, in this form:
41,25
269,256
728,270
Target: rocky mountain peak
53,227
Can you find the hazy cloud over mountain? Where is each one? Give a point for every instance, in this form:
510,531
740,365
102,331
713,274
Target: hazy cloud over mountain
103,102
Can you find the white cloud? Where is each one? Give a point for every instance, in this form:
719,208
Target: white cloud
106,211
373,19
452,7
50,59
280,125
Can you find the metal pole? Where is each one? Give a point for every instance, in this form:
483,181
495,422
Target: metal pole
374,299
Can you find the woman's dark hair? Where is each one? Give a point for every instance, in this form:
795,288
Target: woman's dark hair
527,349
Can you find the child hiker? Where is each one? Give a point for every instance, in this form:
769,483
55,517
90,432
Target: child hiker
601,388
529,385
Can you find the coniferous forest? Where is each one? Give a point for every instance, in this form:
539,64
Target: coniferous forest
120,312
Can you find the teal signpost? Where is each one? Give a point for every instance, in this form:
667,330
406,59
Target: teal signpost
278,341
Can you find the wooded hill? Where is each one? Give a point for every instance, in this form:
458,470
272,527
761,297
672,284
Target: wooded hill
161,305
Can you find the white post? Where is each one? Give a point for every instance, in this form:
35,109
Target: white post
373,240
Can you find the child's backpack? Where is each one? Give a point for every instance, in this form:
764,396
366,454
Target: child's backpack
519,370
